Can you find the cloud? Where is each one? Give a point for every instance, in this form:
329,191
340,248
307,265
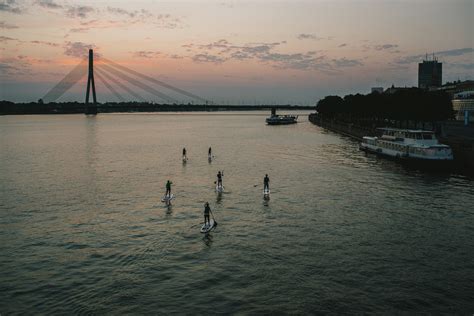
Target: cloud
7,26
10,6
79,30
7,70
48,4
96,24
343,62
175,56
167,21
385,46
304,36
259,49
78,49
302,61
223,46
206,58
45,43
132,14
446,53
222,50
6,38
222,43
454,52
468,66
227,4
79,11
113,17
31,60
12,66
146,54
120,11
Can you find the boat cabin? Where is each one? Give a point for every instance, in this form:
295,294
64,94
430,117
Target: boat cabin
408,136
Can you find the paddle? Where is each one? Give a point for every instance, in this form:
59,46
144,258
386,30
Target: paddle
215,222
192,226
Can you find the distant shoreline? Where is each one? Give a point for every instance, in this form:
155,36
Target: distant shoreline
10,108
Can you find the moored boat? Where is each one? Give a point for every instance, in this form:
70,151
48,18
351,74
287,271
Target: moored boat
408,145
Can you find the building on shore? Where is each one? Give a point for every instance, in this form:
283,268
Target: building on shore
394,89
462,96
430,73
457,87
463,105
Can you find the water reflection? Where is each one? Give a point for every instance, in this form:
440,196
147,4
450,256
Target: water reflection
219,197
169,208
207,239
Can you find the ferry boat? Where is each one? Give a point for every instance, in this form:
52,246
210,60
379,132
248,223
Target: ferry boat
276,119
409,145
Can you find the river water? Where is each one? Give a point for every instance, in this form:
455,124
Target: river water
83,230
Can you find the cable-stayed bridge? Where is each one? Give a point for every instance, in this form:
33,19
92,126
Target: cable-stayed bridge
128,86
117,79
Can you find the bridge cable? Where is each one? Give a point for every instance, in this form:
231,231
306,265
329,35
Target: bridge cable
111,89
76,74
139,84
161,83
118,83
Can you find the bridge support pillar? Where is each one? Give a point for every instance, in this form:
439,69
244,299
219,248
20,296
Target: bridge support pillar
91,108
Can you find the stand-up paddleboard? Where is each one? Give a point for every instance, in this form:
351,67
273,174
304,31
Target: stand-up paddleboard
185,159
219,188
167,198
266,192
209,157
208,227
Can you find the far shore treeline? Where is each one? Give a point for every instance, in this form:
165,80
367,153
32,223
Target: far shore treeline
7,107
407,104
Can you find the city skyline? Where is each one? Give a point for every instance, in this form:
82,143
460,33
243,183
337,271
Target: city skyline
235,51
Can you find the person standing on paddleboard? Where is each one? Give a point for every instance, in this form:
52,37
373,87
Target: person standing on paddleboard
184,154
266,183
219,178
168,189
209,152
207,210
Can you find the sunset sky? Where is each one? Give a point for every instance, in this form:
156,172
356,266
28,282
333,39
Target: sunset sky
235,51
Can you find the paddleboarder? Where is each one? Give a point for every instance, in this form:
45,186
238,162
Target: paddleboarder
266,183
184,154
207,210
168,189
219,178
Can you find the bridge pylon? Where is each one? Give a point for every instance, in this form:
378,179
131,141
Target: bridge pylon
91,108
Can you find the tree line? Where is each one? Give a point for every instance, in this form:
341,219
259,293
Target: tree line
408,104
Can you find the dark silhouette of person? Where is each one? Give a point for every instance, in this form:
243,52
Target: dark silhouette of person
168,188
266,183
207,210
209,153
219,178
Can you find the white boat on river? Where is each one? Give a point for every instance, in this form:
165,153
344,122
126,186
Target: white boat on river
410,145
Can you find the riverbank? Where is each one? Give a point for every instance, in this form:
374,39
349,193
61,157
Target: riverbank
460,138
10,108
